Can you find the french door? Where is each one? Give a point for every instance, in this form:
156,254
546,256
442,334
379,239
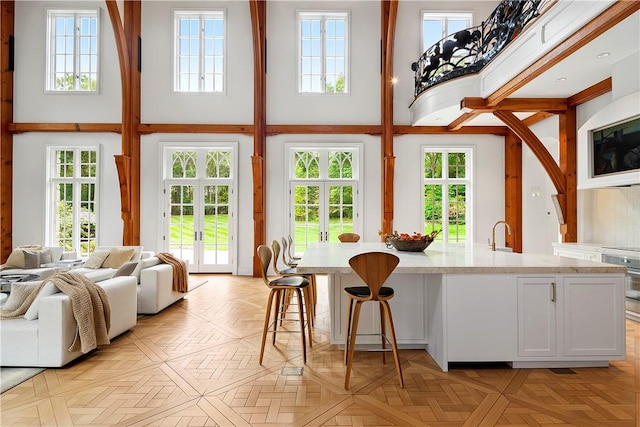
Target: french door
321,211
200,220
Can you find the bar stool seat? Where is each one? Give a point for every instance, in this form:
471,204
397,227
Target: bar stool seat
373,268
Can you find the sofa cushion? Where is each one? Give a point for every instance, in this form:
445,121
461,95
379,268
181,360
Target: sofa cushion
137,251
34,309
95,274
145,263
18,295
117,257
96,259
56,253
16,258
126,269
35,258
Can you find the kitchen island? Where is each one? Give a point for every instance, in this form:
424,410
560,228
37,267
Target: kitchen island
466,303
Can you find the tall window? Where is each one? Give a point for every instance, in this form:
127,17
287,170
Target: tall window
322,53
72,50
199,51
324,188
73,183
438,25
447,192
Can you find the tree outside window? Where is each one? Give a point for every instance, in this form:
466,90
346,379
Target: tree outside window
447,192
73,185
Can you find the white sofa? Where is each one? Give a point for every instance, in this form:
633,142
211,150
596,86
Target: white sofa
155,288
43,342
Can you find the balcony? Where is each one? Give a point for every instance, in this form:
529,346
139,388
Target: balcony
479,61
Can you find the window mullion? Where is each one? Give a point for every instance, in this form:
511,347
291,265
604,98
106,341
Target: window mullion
201,55
323,53
76,51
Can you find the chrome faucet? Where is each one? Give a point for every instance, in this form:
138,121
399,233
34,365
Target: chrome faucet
493,233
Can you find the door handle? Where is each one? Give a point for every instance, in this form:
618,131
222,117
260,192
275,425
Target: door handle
553,291
201,235
195,236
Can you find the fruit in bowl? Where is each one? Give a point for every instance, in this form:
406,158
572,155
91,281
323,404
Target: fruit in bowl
415,242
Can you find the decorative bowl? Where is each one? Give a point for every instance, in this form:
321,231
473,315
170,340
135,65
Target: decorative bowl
409,245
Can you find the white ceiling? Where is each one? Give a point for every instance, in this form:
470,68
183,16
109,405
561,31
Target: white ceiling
581,70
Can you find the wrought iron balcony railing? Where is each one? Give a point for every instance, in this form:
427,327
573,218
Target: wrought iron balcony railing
468,51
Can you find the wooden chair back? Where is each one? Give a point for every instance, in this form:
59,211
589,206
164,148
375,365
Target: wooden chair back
349,237
264,253
275,247
374,268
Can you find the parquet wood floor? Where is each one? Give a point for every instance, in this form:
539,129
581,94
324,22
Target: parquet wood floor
196,364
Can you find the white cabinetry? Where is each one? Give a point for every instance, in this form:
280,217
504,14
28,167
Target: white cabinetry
578,253
569,318
537,297
593,316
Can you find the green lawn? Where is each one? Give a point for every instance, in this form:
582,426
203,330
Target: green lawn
183,226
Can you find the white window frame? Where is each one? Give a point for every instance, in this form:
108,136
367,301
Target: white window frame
202,56
53,180
444,17
78,57
324,148
446,182
323,16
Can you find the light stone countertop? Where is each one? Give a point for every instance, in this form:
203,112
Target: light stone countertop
327,258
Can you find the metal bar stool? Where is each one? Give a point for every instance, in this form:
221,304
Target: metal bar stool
279,286
373,268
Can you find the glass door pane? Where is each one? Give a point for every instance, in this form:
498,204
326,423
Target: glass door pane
340,210
181,234
307,220
216,239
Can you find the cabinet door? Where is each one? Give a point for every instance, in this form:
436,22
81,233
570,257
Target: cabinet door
593,316
537,316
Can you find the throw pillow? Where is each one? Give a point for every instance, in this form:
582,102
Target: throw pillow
46,257
19,293
96,259
30,258
126,269
34,258
16,259
34,309
117,257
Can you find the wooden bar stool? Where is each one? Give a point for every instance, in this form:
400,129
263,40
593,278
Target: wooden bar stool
293,271
349,237
279,286
373,268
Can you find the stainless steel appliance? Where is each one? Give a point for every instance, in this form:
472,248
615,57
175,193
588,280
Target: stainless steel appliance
630,258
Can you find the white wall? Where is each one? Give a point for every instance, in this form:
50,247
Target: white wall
539,218
361,105
160,105
31,103
29,178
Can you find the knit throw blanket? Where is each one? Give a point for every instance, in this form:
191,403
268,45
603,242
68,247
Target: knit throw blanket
90,307
180,276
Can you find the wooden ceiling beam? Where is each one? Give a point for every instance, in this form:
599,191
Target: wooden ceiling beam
537,118
440,130
458,123
514,104
537,147
324,129
591,92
